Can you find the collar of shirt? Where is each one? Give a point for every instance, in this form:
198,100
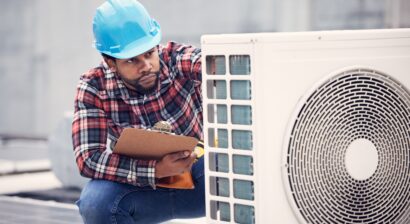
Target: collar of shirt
116,87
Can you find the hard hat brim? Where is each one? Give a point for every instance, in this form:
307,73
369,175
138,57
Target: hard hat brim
137,47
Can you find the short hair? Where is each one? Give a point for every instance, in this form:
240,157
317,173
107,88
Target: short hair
108,56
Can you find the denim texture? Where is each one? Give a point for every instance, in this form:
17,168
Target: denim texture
103,201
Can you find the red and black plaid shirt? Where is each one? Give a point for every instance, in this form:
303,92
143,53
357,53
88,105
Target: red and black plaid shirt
104,106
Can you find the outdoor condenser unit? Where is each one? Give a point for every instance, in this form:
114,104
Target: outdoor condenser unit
309,127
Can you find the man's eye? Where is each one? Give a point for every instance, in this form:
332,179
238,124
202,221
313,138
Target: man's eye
130,61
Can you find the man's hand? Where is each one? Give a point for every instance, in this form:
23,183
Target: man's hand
174,163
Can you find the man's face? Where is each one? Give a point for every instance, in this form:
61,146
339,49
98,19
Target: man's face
140,72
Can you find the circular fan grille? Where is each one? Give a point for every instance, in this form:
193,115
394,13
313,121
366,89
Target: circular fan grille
355,105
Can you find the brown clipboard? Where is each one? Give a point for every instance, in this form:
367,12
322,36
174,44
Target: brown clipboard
147,144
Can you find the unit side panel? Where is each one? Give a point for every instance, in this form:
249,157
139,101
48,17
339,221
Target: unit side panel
275,97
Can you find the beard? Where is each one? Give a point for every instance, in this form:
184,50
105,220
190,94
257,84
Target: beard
136,83
146,90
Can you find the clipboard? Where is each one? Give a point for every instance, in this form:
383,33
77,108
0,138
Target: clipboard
147,144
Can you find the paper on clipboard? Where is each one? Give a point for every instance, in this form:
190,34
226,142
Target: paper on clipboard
146,144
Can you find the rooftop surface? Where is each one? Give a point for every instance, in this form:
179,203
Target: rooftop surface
27,184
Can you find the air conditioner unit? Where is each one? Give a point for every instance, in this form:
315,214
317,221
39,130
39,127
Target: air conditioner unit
309,127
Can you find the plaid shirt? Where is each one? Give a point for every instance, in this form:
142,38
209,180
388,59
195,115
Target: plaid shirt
104,107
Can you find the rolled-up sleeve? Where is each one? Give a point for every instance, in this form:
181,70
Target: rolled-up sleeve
187,59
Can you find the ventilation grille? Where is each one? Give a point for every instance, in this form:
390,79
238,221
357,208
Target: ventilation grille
357,104
228,132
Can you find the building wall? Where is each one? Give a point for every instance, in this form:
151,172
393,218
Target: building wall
47,46
20,66
397,13
347,14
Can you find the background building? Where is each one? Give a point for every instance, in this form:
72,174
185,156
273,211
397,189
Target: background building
47,44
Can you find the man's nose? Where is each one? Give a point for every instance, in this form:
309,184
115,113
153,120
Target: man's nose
146,66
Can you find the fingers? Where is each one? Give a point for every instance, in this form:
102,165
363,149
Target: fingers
190,161
186,163
178,155
175,163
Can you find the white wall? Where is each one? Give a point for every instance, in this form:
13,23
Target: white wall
69,44
22,65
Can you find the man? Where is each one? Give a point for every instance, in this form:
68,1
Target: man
138,84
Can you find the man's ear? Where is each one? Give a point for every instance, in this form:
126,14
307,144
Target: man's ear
111,64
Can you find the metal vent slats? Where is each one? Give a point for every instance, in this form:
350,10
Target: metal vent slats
357,104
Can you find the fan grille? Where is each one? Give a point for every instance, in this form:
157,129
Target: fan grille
356,104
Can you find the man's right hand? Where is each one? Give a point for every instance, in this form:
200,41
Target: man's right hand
174,163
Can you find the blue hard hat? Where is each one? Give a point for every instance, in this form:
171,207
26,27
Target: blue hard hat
124,29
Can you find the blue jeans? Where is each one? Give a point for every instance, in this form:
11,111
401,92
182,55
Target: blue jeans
103,201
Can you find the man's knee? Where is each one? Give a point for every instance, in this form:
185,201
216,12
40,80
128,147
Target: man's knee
97,201
93,212
94,209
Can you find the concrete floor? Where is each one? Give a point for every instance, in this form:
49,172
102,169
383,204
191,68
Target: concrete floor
25,170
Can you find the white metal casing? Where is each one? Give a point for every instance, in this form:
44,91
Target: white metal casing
286,68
